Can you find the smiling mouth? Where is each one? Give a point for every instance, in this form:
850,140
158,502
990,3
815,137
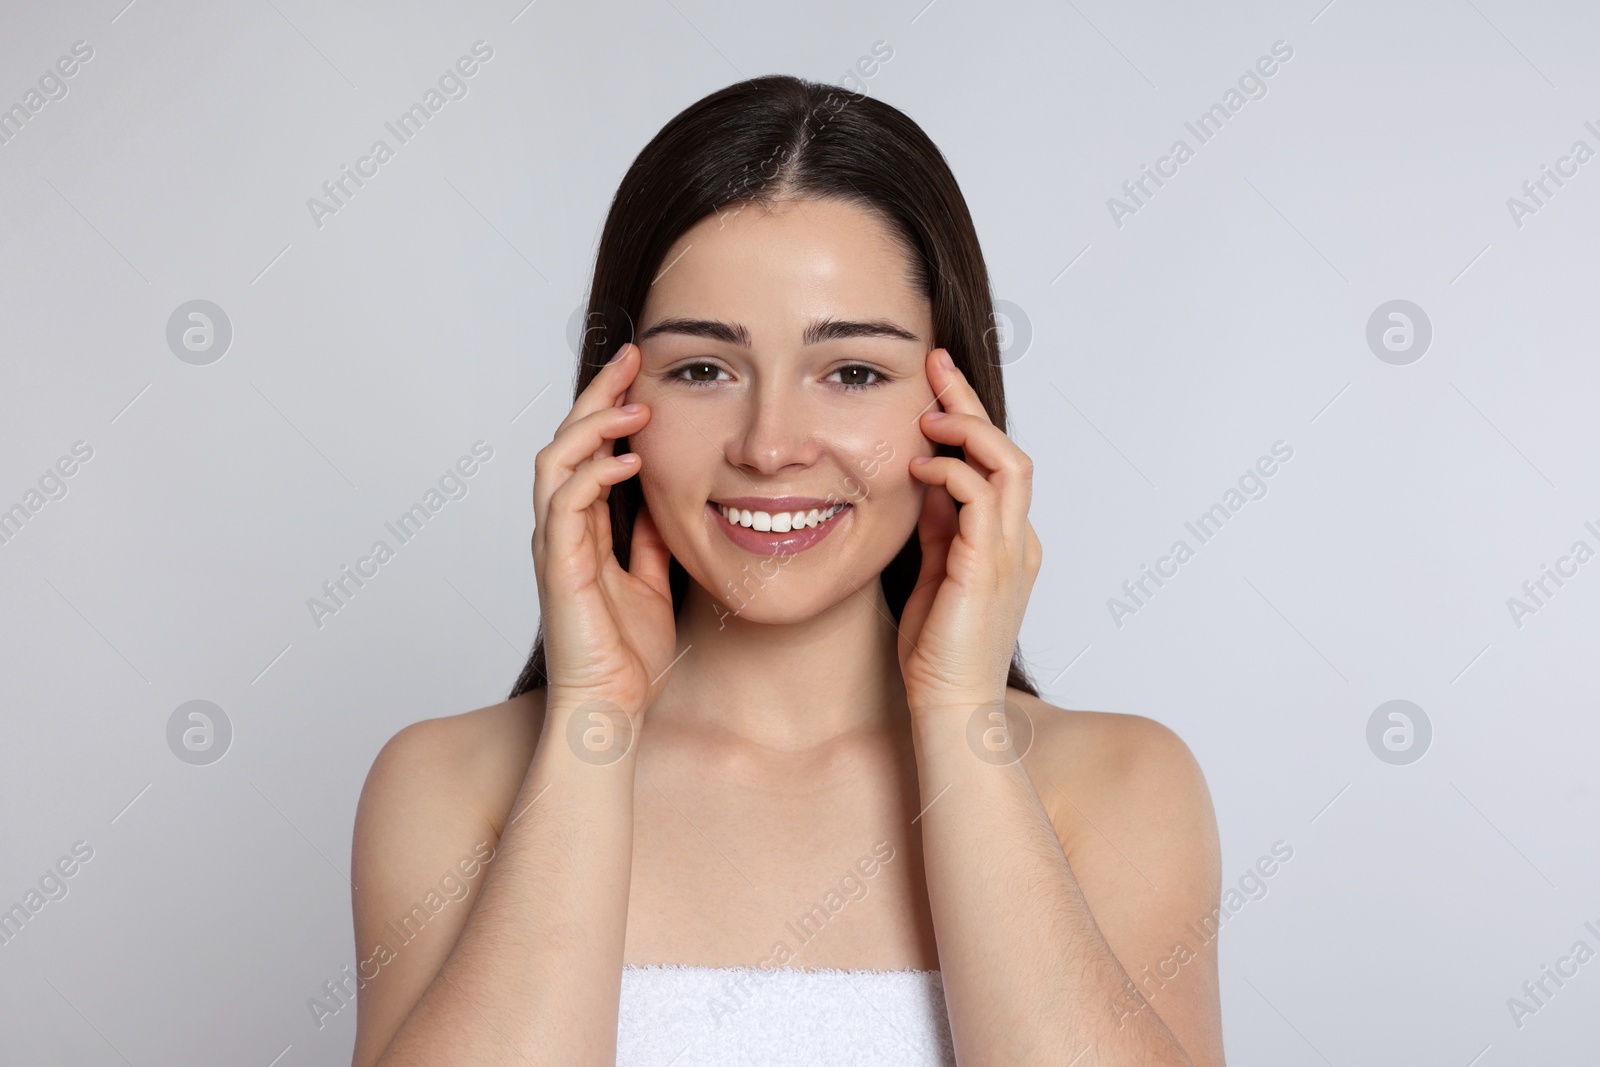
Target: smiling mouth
779,521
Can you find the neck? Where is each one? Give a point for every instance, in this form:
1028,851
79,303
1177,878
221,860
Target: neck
790,686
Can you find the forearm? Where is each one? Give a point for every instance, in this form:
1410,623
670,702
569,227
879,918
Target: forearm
1028,976
535,974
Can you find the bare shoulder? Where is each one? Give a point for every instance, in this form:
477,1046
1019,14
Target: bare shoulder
1132,810
427,825
1091,764
476,758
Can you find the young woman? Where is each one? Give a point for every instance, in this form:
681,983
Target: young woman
774,786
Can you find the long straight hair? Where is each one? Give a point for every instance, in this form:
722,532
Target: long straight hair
780,137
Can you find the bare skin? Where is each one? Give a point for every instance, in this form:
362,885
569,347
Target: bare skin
793,823
757,778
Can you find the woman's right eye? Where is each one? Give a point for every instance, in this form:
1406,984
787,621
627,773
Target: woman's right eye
677,373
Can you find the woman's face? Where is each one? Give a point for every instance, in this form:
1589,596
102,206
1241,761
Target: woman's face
784,355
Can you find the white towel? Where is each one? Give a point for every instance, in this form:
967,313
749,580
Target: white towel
781,1017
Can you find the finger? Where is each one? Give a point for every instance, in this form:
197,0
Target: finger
648,554
978,518
591,437
967,431
566,524
995,456
953,390
607,387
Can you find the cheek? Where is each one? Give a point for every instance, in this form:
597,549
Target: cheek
663,441
678,469
875,465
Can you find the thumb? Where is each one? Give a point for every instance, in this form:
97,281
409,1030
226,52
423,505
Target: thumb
648,555
936,528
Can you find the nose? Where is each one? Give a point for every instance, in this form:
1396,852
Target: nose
777,428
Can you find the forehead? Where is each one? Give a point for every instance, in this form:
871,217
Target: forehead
774,265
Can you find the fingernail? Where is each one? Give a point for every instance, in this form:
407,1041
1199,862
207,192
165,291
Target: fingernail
937,414
631,408
944,358
617,355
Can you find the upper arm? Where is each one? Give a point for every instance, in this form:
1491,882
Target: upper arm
1144,849
417,864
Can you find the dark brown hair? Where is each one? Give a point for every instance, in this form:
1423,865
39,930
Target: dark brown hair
780,137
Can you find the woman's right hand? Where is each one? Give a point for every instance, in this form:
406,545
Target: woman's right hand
609,633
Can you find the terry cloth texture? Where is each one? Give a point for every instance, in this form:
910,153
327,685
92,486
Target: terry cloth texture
781,1017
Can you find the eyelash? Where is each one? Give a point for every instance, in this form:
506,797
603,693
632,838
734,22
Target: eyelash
675,374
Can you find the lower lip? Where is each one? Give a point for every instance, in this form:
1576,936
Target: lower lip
775,544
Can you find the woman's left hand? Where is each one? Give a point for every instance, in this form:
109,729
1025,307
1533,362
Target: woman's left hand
958,631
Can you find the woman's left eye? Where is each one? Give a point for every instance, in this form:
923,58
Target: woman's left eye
878,379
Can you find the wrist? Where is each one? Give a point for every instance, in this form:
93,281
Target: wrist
989,726
941,703
595,731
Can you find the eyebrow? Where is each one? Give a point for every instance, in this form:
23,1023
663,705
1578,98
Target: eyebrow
818,331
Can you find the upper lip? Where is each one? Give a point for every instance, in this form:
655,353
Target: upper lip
772,504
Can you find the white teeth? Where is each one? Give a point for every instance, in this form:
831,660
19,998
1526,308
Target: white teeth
779,522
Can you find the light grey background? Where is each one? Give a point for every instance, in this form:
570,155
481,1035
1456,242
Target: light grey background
1228,313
